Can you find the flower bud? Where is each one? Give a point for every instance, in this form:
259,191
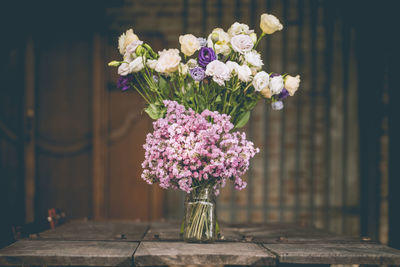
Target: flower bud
215,37
140,50
253,37
114,63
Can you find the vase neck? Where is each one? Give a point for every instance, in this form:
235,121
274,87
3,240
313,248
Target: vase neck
202,193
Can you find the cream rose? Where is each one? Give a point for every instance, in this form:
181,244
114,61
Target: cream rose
189,44
219,72
136,65
168,61
244,73
270,24
221,39
276,84
239,28
242,43
261,81
253,58
266,92
123,69
125,39
292,84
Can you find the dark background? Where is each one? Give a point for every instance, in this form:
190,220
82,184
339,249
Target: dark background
70,140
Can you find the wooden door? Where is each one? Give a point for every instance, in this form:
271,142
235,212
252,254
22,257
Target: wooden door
88,136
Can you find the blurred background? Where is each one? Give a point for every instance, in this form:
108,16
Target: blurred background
70,140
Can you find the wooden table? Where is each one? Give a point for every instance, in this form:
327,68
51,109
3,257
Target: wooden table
141,244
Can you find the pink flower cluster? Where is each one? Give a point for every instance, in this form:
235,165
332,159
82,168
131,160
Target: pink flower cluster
188,149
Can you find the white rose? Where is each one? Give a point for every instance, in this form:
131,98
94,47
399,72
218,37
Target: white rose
270,24
242,43
233,67
136,65
183,69
168,61
192,63
131,48
123,69
244,73
189,44
219,71
276,84
292,84
261,81
239,28
253,58
125,39
221,45
151,63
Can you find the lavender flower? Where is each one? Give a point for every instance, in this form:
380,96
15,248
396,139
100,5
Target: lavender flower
202,41
277,105
124,81
155,78
283,94
197,73
206,55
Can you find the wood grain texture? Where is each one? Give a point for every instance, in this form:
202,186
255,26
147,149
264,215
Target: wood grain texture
353,253
179,253
64,253
106,231
289,233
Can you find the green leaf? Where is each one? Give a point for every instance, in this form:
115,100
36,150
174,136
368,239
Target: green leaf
218,99
153,112
242,119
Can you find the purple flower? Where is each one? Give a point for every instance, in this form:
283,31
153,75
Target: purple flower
277,105
202,41
206,55
283,94
155,78
197,73
187,148
123,82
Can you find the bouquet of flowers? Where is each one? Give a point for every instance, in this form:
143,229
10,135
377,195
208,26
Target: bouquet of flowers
199,95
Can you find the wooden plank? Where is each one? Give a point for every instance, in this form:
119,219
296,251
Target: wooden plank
165,231
64,253
289,233
179,253
91,231
170,231
352,253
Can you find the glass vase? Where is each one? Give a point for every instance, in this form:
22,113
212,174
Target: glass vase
200,216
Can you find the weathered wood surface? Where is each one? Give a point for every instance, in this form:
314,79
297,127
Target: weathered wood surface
106,231
287,233
127,243
81,253
353,253
170,231
178,253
